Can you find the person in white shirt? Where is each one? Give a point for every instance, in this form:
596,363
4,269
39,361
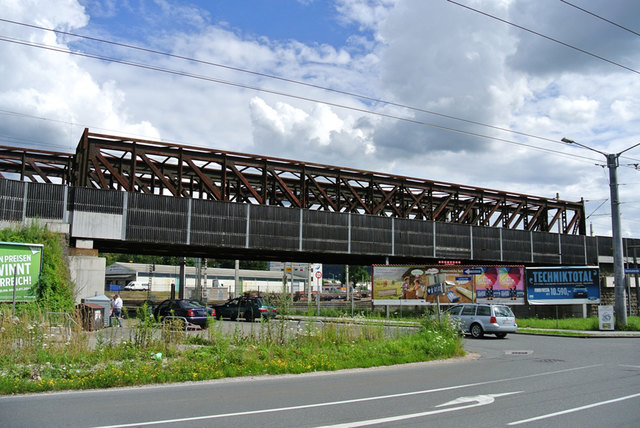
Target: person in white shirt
116,310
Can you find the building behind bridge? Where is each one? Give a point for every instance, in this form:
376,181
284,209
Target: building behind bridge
220,283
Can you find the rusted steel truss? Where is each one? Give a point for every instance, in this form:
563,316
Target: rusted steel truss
35,165
112,162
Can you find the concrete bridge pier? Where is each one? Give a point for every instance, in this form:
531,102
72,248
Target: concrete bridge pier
87,270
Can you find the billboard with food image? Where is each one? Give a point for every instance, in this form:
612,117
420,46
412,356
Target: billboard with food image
426,285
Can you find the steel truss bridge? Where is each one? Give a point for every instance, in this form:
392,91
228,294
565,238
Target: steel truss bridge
109,162
135,196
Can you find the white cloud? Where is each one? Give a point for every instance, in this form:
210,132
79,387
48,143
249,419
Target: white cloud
368,14
574,110
627,109
318,136
52,85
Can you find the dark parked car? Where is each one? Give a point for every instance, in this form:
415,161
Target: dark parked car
190,310
248,308
210,311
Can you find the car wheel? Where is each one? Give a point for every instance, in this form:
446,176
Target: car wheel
218,317
233,317
476,331
501,335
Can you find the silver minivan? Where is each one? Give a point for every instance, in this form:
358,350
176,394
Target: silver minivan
478,319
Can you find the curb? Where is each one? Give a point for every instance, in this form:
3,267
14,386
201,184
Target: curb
581,334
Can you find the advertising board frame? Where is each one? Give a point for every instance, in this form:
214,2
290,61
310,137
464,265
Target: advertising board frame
412,285
565,285
20,269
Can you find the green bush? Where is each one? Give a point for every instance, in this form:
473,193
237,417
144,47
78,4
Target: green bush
54,292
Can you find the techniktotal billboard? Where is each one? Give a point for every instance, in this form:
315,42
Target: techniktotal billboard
563,285
20,266
421,284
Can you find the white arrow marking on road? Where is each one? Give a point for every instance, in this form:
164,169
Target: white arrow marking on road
477,400
480,399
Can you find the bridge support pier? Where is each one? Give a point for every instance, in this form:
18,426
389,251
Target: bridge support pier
87,271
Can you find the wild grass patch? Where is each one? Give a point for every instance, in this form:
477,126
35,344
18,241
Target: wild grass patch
32,361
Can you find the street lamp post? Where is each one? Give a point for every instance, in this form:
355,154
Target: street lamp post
618,262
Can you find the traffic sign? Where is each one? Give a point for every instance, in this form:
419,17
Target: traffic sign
318,274
472,271
434,289
633,270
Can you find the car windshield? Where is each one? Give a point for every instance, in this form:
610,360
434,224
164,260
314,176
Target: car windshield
503,311
455,310
192,304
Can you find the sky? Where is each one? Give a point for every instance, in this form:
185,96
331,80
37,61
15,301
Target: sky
472,92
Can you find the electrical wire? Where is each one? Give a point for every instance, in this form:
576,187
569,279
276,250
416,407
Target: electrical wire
284,94
279,78
600,17
597,208
545,37
351,94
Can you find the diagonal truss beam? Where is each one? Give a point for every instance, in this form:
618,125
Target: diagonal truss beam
119,163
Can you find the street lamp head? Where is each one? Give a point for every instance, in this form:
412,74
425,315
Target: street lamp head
568,141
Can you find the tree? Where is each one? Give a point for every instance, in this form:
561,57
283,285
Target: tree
356,274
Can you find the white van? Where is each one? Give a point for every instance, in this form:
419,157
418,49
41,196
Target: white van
136,286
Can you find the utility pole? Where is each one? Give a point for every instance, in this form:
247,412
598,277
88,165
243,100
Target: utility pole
616,232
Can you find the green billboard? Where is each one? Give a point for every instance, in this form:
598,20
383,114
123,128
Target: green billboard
20,266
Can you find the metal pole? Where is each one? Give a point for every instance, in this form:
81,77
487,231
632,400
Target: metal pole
618,262
236,279
627,279
198,286
318,290
311,276
438,300
15,280
292,281
183,278
152,267
635,262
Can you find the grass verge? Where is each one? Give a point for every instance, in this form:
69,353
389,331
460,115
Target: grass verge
586,324
33,360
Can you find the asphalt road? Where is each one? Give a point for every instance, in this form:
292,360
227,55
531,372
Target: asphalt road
529,381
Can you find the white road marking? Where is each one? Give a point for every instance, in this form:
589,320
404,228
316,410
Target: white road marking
481,399
575,409
478,400
335,403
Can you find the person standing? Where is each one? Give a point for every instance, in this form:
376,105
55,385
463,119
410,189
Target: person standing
405,288
418,290
116,310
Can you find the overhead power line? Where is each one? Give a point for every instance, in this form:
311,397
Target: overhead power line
600,17
279,78
284,94
351,94
545,37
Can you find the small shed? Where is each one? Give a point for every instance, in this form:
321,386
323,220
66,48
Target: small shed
93,316
101,300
